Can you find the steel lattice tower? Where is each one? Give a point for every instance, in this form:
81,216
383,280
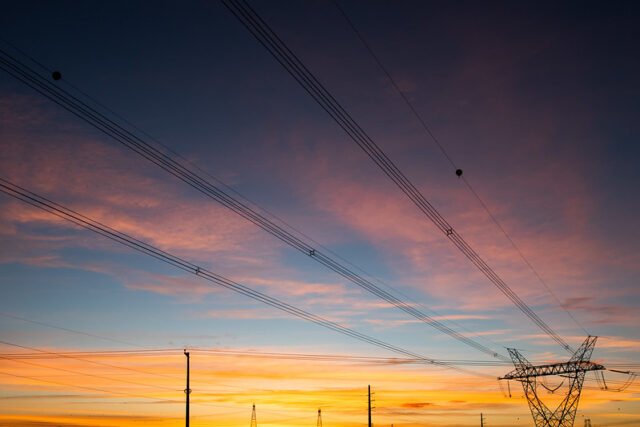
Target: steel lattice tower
574,370
254,423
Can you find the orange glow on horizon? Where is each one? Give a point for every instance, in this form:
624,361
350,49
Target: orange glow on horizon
134,390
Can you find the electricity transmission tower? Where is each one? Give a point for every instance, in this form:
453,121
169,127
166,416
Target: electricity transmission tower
574,371
254,423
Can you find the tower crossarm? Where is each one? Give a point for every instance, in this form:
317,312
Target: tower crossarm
567,368
574,371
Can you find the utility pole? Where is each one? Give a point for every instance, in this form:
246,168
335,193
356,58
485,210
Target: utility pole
369,395
481,420
319,423
187,390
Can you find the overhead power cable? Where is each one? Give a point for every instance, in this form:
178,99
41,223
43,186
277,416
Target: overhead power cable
82,110
91,353
94,353
220,352
93,362
294,66
213,352
455,167
83,221
110,378
74,331
101,390
82,357
109,392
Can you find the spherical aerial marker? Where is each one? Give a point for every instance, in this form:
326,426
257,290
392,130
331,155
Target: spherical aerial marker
56,75
459,172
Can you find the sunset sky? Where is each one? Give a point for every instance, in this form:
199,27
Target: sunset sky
537,103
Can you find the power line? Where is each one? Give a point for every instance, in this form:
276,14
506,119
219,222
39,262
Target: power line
242,197
292,64
212,352
93,354
102,390
340,358
343,358
93,117
89,375
74,331
111,392
143,352
83,221
76,357
156,352
444,152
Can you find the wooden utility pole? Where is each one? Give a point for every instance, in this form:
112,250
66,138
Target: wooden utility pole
187,390
369,395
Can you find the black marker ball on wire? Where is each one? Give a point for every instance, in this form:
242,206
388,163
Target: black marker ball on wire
459,172
56,75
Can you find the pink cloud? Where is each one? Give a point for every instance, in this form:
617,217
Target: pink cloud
120,190
19,111
186,288
116,188
561,244
601,313
297,287
245,314
619,343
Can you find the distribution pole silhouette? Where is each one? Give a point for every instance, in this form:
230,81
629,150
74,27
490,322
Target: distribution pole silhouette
319,423
369,401
187,390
